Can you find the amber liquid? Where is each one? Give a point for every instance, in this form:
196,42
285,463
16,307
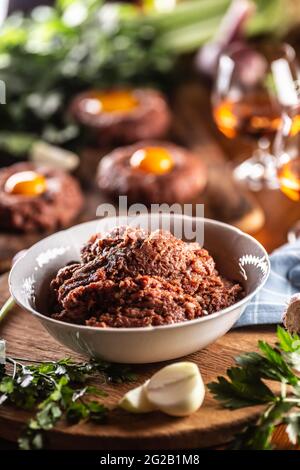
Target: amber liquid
289,179
255,116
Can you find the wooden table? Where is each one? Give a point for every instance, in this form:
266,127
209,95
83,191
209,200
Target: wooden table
279,211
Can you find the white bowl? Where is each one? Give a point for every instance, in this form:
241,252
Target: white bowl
238,256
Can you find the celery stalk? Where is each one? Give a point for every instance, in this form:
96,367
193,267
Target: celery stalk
271,16
200,20
188,12
189,38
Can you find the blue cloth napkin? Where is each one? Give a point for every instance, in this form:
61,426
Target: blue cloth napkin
284,280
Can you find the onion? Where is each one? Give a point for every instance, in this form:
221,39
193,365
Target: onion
291,318
231,30
250,65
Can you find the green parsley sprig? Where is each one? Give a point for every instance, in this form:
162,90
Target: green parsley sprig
56,390
245,385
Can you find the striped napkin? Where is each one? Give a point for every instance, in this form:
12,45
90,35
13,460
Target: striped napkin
284,280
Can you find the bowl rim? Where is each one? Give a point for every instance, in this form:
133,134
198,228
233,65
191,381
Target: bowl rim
107,330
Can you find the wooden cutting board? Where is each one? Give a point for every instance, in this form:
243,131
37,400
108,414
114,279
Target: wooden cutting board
209,426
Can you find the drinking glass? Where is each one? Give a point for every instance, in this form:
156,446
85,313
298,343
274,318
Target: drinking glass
253,87
287,151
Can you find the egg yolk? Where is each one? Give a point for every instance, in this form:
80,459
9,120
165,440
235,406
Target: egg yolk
155,160
110,102
26,183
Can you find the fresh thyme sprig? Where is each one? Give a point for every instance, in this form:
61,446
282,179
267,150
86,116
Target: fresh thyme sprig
245,385
56,390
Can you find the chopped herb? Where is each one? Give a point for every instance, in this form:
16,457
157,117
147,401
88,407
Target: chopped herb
56,390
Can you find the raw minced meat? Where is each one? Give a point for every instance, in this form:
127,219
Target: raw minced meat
55,208
133,278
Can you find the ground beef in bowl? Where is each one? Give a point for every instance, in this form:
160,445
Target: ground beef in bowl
133,278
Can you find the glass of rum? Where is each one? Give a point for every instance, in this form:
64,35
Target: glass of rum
253,87
287,151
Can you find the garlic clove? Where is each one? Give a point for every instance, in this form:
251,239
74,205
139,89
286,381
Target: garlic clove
136,400
57,157
177,389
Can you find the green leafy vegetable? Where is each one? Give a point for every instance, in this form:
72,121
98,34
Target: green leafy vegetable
245,386
56,390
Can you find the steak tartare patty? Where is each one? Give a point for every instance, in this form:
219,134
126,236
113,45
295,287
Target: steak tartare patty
53,208
149,119
133,278
183,182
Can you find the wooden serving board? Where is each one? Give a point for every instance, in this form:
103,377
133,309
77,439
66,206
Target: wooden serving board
209,426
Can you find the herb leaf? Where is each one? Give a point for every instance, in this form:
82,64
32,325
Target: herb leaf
258,436
55,390
287,342
241,390
245,386
277,363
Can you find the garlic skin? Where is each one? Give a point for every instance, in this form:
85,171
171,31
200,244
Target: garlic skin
136,400
177,389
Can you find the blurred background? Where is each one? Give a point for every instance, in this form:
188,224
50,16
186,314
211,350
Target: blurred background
49,50
229,72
